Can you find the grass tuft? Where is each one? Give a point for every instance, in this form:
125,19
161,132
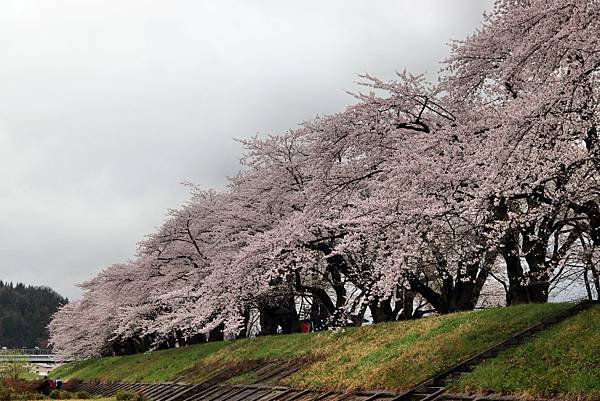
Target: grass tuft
564,360
392,356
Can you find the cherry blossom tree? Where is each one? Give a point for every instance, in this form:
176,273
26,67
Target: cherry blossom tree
411,200
528,82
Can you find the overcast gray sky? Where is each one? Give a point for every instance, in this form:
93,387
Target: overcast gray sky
107,106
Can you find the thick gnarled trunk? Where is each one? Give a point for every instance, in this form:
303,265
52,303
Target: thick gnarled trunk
281,316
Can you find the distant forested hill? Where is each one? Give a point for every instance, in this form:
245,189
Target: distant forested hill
24,314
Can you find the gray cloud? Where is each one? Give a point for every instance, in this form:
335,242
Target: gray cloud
107,106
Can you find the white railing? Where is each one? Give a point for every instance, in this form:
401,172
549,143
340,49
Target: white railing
25,351
33,355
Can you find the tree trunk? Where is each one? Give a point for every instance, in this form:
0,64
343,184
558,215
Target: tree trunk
287,315
381,311
216,334
531,287
244,331
281,315
405,305
319,315
517,291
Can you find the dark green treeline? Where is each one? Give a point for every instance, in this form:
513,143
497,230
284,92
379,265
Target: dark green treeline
25,311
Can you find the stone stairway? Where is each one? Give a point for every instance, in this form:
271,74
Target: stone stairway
198,392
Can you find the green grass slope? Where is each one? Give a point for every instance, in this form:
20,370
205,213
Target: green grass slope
391,356
562,361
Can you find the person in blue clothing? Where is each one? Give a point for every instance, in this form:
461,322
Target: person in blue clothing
58,383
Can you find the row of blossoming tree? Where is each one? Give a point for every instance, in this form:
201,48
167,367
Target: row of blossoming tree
416,198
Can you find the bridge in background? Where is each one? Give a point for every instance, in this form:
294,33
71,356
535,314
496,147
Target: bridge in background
34,355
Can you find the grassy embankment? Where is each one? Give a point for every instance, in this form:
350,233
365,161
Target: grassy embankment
391,356
563,360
